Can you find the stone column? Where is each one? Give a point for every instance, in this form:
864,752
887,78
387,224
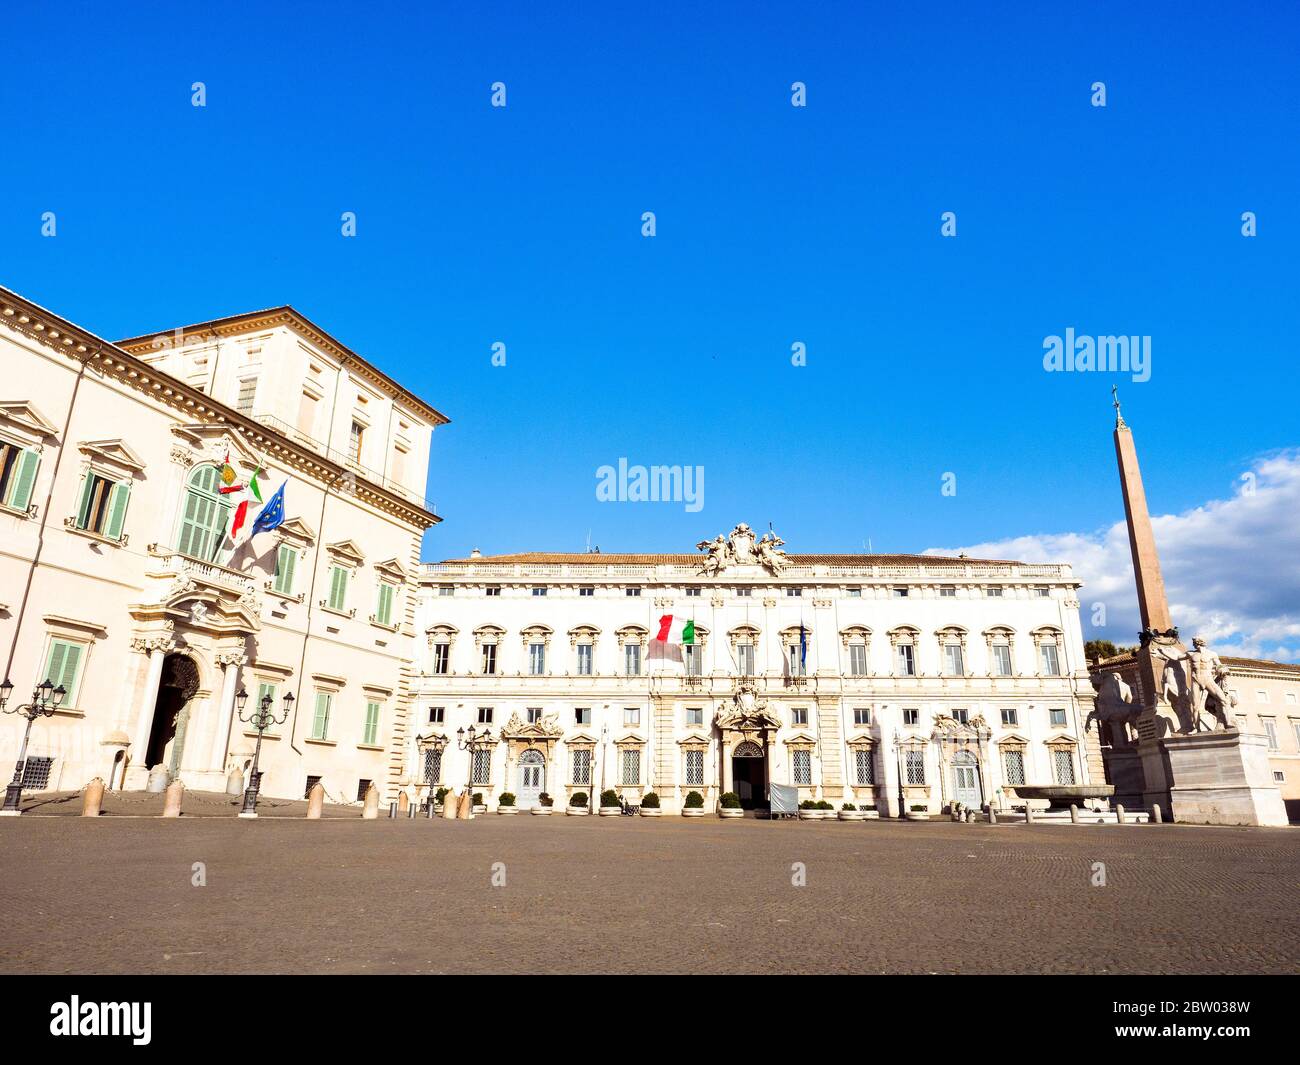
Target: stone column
724,746
156,646
230,663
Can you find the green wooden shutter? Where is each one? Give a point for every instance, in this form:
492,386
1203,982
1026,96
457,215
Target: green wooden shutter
117,510
384,614
63,667
83,504
338,588
285,560
20,495
372,724
321,722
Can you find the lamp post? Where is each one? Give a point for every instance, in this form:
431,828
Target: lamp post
437,743
262,718
472,741
45,700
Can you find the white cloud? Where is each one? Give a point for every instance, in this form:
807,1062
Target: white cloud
1231,566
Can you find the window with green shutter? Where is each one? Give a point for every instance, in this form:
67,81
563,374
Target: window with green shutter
370,734
264,690
286,558
102,506
384,609
338,599
17,475
320,722
205,515
63,667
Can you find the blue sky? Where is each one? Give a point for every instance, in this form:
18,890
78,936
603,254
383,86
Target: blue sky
775,225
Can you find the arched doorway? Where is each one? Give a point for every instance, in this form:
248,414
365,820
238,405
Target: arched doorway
749,774
532,778
966,780
171,714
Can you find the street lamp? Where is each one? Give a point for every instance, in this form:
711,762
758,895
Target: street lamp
45,700
261,718
435,743
472,742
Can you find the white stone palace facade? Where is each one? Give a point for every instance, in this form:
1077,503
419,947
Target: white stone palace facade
896,681
118,581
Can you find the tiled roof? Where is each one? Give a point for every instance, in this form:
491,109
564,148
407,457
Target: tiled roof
1129,657
598,559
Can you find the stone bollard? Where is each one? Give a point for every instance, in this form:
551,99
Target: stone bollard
92,798
172,799
465,809
993,816
235,782
316,801
403,803
157,782
1029,813
1119,813
1074,814
1156,816
428,809
370,808
449,806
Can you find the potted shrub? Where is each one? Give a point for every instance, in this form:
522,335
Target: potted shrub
609,804
918,812
480,807
870,813
729,805
826,809
578,804
694,805
808,811
439,795
650,805
849,812
544,804
506,804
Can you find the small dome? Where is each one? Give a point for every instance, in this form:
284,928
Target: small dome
116,738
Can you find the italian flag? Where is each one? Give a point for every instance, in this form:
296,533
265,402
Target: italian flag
676,630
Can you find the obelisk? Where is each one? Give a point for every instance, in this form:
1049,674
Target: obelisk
1141,539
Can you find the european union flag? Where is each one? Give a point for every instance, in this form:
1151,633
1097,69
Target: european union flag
803,647
270,516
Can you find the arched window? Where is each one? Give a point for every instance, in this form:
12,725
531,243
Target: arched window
205,515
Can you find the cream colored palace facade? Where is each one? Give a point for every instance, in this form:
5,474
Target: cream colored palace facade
117,582
920,680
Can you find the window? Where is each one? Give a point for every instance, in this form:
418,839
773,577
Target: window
911,717
356,438
102,507
1049,659
1290,698
539,590
962,717
801,761
1295,727
693,593
858,659
320,722
632,659
953,666
695,767
370,732
796,592
582,715
862,716
905,660
481,767
307,415
36,773
633,592
914,761
1261,697
1270,730
799,715
853,593
587,591
582,766
631,715
1041,591
363,786
286,560
311,783
384,605
446,589
338,597
17,475
1001,660
1063,765
744,593
630,765
1010,718
695,715
585,661
489,659
63,667
441,659
993,593
1279,777
432,765
266,690
745,659
437,715
947,591
247,392
1013,766
485,715
899,593
865,766
492,590
1056,718
795,659
693,659
534,715
537,659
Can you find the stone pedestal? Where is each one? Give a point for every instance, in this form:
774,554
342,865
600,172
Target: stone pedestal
1222,778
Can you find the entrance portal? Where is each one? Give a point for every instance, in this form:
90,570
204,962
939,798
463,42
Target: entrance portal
749,775
532,779
180,680
966,780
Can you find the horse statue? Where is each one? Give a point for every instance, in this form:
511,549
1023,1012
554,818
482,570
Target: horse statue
1115,706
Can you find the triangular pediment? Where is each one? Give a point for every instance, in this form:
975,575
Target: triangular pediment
297,532
348,551
802,738
392,568
21,413
1015,739
114,452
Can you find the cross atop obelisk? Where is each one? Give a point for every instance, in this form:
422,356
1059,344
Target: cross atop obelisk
1141,539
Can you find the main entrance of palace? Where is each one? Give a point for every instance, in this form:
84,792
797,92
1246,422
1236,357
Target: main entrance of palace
749,775
180,680
532,779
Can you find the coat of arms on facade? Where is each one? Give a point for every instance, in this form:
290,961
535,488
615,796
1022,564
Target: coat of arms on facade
746,711
743,548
